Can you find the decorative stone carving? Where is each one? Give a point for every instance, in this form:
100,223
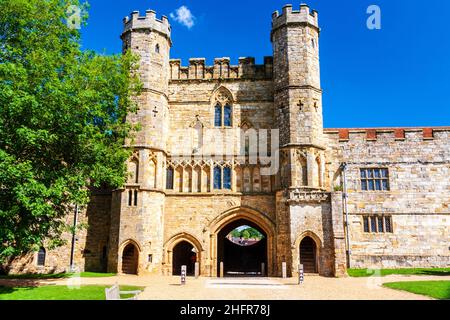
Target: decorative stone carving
302,196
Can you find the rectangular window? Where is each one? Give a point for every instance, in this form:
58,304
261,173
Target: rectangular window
377,224
366,224
130,198
374,179
217,178
135,198
388,224
380,224
373,224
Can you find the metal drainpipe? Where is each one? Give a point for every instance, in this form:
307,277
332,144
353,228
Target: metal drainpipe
345,196
72,251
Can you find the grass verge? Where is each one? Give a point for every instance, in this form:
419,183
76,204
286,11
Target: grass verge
59,292
404,271
435,289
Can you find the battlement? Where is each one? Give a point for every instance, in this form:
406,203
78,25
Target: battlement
149,21
398,134
289,16
198,70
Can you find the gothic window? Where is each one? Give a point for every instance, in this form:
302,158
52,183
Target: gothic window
223,110
133,171
222,178
374,179
227,178
218,116
41,257
169,178
227,116
217,178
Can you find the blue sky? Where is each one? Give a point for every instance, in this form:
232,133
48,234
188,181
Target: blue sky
394,77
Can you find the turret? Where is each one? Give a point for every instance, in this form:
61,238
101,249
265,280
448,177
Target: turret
137,214
298,95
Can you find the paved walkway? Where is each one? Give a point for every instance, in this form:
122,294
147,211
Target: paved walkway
314,287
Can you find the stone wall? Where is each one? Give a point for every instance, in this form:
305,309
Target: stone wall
418,200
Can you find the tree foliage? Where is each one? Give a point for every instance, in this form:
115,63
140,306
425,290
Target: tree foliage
62,121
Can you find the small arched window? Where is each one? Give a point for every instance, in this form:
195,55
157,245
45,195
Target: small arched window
41,257
313,43
157,48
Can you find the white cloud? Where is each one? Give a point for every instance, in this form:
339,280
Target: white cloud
184,16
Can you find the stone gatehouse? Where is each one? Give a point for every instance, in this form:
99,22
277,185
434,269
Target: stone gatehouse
358,197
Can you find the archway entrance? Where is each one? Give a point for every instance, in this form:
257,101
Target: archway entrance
308,255
184,255
242,256
130,257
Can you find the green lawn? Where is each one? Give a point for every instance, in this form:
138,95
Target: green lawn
59,275
434,289
58,293
406,271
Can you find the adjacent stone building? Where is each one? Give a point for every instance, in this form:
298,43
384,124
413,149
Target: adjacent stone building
341,197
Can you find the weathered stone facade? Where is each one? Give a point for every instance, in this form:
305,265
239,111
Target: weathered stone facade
305,199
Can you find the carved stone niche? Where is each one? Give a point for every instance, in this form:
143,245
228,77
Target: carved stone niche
302,196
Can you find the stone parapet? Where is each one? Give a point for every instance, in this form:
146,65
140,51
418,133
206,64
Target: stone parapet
149,21
222,69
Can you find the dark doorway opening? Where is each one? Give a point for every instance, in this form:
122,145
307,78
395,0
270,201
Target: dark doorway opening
184,255
130,259
243,256
308,255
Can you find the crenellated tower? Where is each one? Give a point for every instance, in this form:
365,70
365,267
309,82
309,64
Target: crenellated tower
138,209
298,97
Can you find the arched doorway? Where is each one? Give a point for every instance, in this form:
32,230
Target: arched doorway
184,254
130,259
244,257
308,255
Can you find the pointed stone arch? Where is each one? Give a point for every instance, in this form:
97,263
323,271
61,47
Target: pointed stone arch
296,254
254,217
174,241
129,257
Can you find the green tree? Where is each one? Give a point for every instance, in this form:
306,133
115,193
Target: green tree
62,121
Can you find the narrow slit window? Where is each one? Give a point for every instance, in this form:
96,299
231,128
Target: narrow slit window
130,198
135,198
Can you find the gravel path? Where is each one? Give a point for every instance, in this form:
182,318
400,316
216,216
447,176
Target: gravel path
314,287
